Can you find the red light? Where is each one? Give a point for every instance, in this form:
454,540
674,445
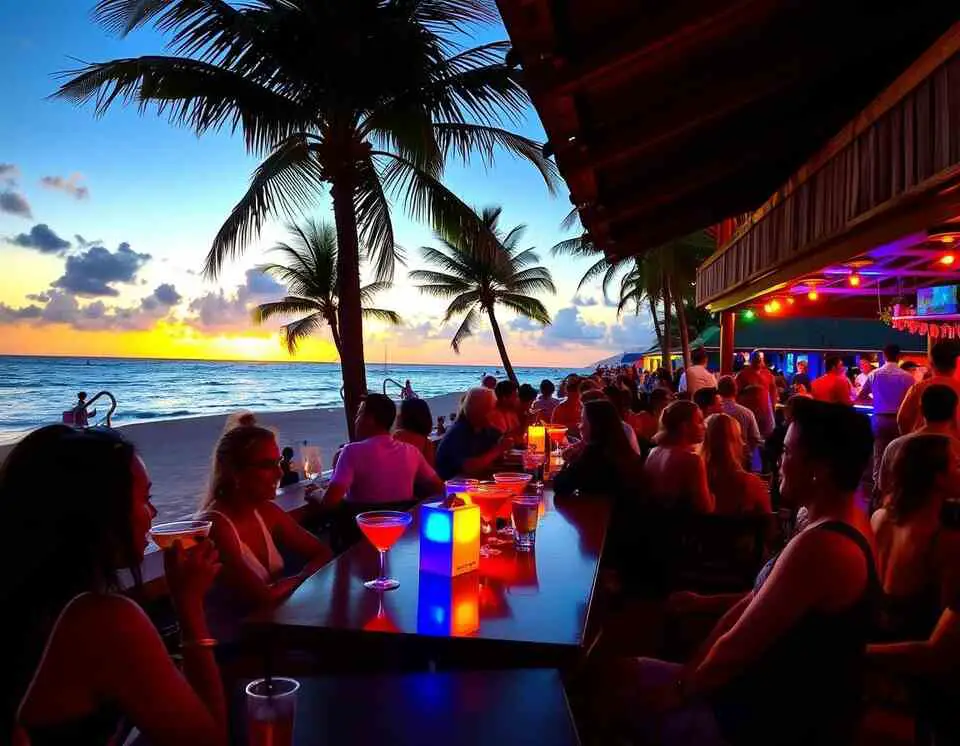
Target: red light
854,280
813,295
947,259
790,301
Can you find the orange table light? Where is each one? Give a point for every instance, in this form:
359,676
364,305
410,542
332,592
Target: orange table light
448,606
537,439
449,538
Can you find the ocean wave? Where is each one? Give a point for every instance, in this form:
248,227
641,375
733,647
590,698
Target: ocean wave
156,415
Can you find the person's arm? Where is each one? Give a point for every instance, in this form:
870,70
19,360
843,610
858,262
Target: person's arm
758,495
818,569
134,671
341,480
940,654
699,487
632,439
426,481
754,438
482,463
732,606
864,397
238,575
908,412
294,537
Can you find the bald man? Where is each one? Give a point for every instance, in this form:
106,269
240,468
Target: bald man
471,447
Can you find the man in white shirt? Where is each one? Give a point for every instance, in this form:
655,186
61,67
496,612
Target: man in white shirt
697,376
376,468
727,388
866,368
545,404
888,386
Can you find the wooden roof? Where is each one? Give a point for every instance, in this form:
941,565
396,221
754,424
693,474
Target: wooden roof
666,117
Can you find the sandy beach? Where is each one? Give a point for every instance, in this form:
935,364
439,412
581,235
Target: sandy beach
177,452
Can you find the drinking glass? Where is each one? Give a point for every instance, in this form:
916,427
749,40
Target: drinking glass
526,515
312,461
459,485
533,462
188,533
489,499
271,710
382,529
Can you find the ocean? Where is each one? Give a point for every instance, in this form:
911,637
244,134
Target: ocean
36,390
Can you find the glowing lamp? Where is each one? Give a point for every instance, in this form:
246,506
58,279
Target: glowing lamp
813,295
749,314
448,606
537,439
947,259
775,306
449,538
854,280
947,239
790,301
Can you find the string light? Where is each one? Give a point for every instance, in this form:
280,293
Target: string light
790,301
813,295
947,259
854,280
749,314
947,239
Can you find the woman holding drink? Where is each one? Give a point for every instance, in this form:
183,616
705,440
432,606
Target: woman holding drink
83,663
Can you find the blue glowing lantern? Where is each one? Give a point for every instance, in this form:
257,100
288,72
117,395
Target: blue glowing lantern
449,538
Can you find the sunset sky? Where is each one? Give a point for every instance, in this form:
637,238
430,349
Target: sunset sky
104,225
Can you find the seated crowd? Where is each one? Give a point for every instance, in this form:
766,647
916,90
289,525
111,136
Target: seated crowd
849,595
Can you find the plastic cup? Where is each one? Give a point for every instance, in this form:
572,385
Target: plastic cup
271,711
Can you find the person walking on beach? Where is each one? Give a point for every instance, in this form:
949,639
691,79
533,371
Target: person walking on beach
81,418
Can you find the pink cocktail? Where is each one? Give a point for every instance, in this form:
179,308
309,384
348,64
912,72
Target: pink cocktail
489,500
382,529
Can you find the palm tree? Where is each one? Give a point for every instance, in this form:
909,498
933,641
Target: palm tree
368,98
663,277
479,276
313,282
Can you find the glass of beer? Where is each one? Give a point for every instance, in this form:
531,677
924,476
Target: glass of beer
188,533
271,710
525,514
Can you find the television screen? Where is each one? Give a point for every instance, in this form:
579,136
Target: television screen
937,301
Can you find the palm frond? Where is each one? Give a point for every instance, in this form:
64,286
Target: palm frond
286,307
571,220
579,246
381,314
464,139
485,95
597,269
461,304
466,329
288,178
368,291
293,333
376,225
452,261
525,306
191,93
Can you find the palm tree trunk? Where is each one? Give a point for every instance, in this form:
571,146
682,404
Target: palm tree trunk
684,330
335,333
349,310
656,321
501,346
667,346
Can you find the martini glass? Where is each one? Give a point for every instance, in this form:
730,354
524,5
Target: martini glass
382,529
490,500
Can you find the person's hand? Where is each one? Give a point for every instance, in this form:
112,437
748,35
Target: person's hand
684,602
190,572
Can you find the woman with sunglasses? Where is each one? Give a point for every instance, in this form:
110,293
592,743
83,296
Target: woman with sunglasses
248,526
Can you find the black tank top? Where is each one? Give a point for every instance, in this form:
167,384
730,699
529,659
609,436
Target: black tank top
806,689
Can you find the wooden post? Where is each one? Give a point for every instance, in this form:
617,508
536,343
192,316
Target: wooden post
929,346
727,323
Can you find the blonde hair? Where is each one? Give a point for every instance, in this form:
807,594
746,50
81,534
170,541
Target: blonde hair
722,447
240,434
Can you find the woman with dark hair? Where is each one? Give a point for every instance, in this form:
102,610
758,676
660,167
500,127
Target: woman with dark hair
606,464
784,665
414,425
675,472
918,561
248,525
83,663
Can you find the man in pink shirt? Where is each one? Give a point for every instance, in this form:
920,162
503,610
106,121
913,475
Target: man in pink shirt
376,468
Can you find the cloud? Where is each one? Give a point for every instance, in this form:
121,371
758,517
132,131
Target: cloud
569,327
39,297
523,324
633,331
217,311
42,238
67,186
585,302
14,203
167,295
94,271
9,174
61,307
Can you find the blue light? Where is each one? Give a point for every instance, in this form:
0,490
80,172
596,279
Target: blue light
438,528
439,615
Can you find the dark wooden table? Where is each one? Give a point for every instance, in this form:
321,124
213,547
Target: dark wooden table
485,708
518,610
